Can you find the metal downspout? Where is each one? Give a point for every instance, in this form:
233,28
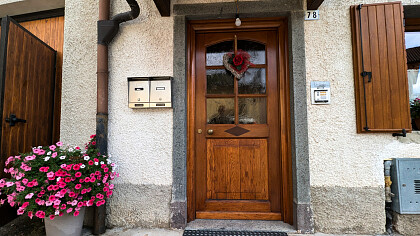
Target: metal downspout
105,36
99,226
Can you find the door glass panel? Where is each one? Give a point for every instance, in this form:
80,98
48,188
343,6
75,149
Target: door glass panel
255,50
215,53
252,110
219,82
220,110
253,82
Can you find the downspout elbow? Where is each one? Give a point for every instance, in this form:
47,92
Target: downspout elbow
107,29
130,15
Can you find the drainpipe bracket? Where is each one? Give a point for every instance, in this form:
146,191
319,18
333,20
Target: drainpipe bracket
107,29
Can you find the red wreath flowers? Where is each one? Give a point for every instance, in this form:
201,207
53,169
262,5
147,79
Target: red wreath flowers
237,63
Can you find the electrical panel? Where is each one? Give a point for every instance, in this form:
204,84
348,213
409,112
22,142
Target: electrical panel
405,177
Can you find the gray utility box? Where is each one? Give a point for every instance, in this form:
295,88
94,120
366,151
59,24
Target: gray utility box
405,177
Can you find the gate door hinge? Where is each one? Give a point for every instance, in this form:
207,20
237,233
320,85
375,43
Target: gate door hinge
403,134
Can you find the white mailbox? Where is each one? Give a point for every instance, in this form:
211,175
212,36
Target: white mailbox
138,93
160,92
150,92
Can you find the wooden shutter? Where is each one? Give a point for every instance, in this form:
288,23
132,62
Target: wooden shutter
382,105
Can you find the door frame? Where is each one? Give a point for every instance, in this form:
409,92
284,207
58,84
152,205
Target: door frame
281,25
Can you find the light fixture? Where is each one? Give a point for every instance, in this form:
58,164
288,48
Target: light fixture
238,21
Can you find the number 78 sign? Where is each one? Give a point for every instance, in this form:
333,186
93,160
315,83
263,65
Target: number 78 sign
312,15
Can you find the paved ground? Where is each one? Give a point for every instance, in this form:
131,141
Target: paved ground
23,226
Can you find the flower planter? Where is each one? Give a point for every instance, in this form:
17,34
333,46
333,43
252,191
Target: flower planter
417,122
65,225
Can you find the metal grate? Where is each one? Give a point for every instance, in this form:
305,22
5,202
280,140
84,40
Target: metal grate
417,186
231,233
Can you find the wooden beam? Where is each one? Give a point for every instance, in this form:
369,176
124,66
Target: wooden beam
164,7
313,4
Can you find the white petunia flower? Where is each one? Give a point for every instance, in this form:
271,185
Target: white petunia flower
57,212
86,158
82,166
102,162
46,158
96,163
62,157
48,153
70,149
58,179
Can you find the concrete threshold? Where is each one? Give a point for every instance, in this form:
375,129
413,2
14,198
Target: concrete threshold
241,225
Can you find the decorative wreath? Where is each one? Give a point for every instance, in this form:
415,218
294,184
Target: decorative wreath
237,63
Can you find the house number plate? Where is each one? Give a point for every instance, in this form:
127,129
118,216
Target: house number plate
312,15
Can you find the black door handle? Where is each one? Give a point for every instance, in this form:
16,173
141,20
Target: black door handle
13,120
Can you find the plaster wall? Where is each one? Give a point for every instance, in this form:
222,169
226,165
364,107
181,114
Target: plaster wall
345,167
140,141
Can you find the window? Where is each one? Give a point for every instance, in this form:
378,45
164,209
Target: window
412,44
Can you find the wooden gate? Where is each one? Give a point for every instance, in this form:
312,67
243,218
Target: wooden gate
27,82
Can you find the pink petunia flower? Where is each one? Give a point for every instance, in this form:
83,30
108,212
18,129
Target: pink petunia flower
29,196
78,186
20,211
100,203
44,169
78,174
59,144
76,213
69,210
40,214
50,174
30,214
52,217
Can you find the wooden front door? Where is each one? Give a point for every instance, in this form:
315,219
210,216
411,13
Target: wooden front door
27,72
241,158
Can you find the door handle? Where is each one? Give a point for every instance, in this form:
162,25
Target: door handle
210,131
13,120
